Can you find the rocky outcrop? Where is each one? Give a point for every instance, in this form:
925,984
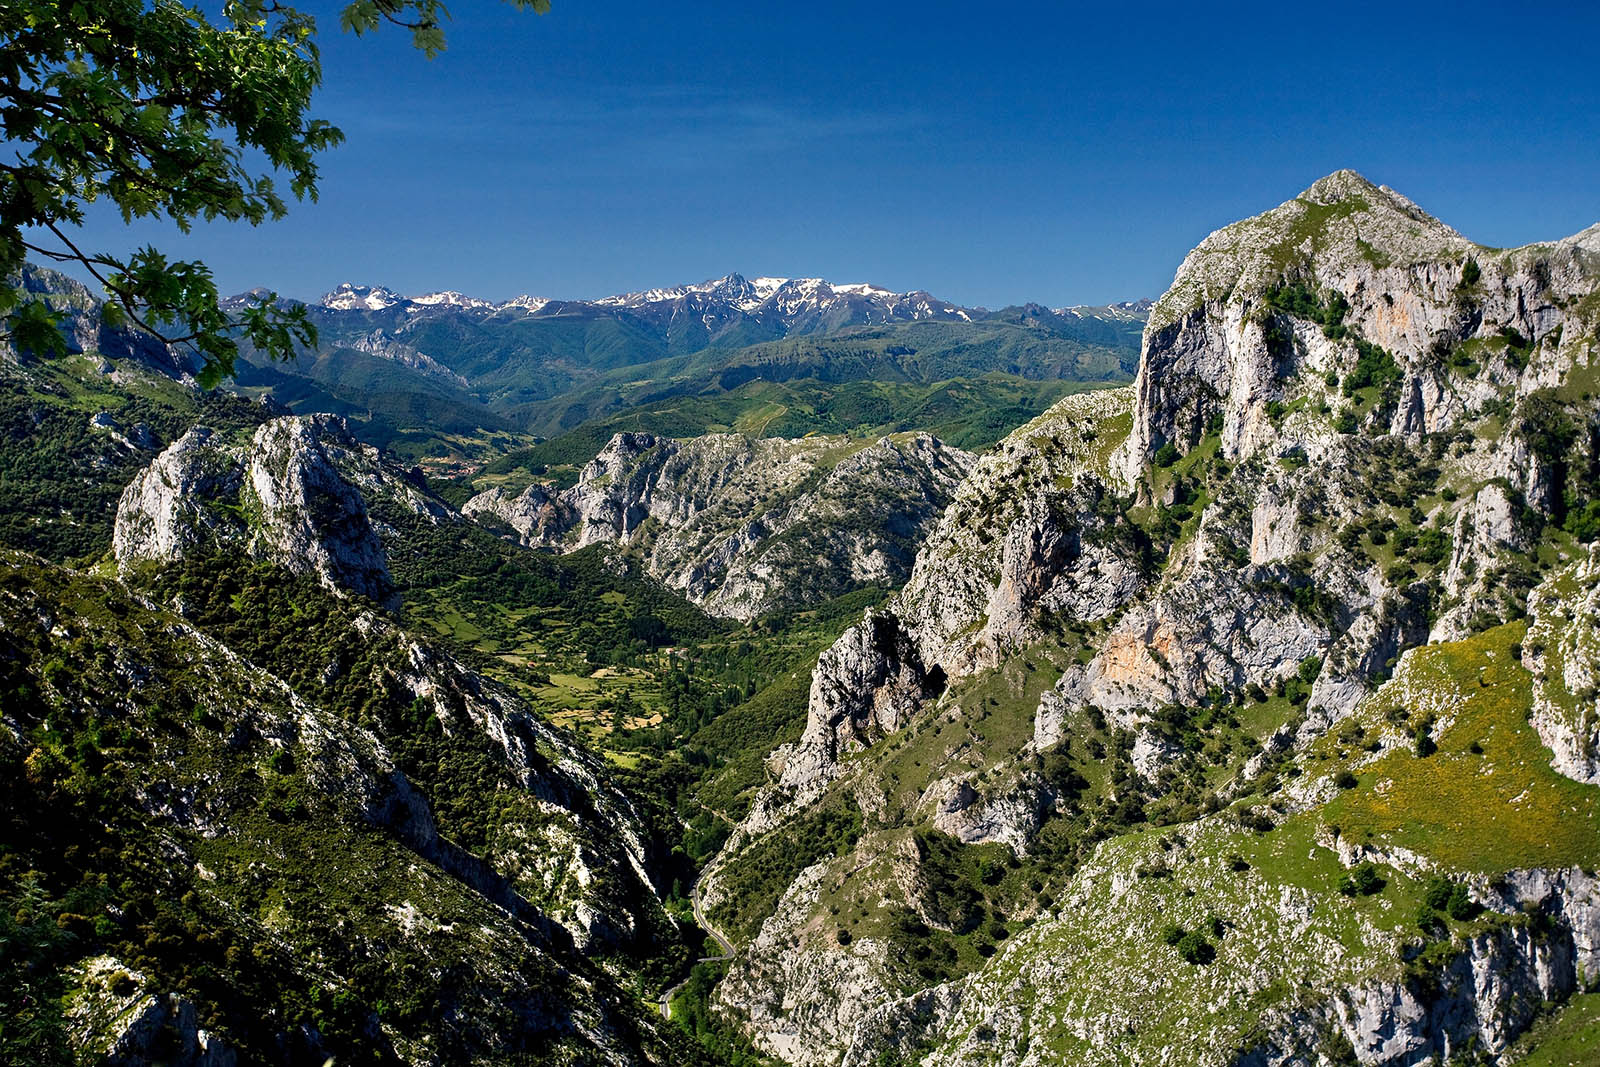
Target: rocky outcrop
538,515
160,1023
1209,348
310,517
1479,538
1563,652
1480,1001
166,512
1222,362
868,684
792,994
385,345
294,493
85,329
745,526
1045,494
1344,438
1481,998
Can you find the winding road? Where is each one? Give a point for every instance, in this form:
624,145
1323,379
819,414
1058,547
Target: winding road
716,935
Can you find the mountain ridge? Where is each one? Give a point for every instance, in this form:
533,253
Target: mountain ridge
735,289
1245,715
1172,647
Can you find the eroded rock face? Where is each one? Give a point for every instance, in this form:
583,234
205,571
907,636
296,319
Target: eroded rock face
1563,652
161,1022
745,526
169,510
793,994
1486,994
1404,274
1478,538
293,494
867,685
1228,525
84,329
310,517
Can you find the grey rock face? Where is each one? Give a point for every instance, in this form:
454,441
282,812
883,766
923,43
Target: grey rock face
384,345
84,330
1562,650
1403,274
538,516
1487,994
1280,567
167,511
1480,534
792,995
311,518
293,495
866,685
744,526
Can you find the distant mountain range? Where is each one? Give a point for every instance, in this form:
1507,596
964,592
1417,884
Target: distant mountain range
790,305
448,363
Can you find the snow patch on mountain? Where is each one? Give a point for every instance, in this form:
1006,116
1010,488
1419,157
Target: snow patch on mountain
351,297
527,303
451,298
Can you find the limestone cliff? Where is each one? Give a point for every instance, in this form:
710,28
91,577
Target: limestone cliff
744,526
1353,431
292,495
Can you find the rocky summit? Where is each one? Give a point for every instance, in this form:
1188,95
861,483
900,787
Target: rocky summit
1202,694
1241,714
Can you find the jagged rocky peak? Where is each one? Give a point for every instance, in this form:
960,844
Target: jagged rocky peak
292,493
1354,432
1276,372
1250,317
743,526
1341,223
348,296
1027,532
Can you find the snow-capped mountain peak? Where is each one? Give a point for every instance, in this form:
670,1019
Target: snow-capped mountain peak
731,284
351,297
863,289
527,303
1126,310
451,298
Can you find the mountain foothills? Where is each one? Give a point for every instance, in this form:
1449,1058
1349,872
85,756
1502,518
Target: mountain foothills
775,671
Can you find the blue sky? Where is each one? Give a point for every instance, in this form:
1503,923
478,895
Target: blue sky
990,153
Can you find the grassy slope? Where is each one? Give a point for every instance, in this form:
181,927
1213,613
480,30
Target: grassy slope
202,834
1571,1038
1287,930
1488,812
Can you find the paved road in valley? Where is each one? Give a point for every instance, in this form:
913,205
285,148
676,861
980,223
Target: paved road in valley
716,935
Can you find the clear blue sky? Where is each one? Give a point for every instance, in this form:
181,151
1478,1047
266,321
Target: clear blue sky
988,152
